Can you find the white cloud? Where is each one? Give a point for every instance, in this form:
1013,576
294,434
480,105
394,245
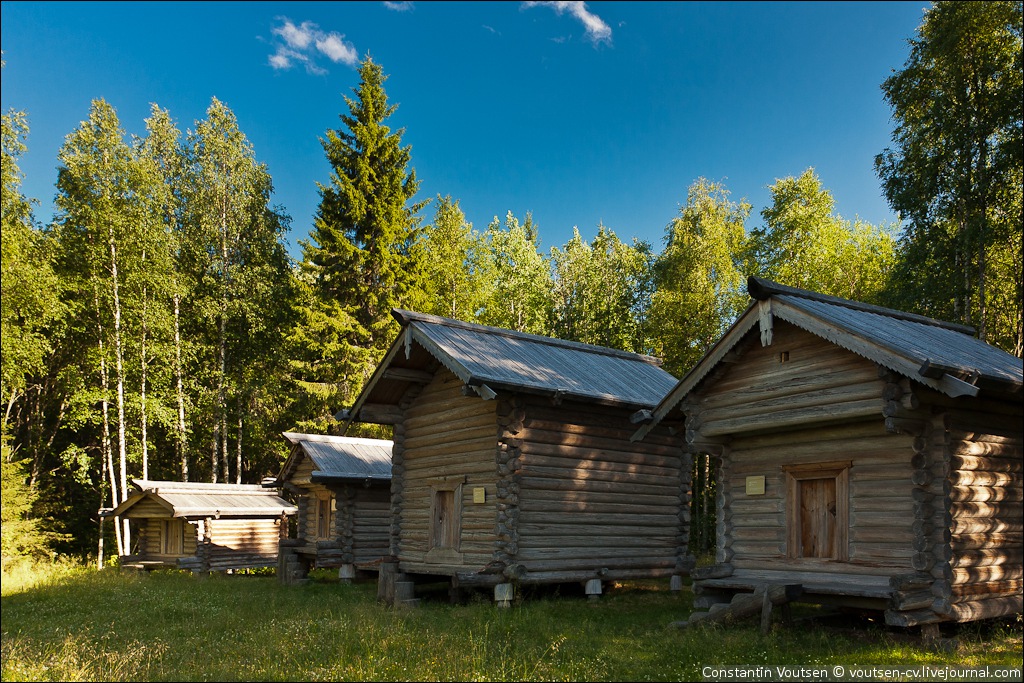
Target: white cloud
298,37
399,6
302,44
597,30
336,49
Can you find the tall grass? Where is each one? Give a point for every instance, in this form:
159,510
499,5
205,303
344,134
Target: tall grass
69,623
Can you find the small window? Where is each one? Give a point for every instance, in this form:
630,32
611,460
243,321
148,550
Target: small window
817,511
172,537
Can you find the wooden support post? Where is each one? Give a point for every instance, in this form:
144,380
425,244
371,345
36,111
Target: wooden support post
675,583
593,589
405,594
745,605
347,572
766,613
386,582
503,594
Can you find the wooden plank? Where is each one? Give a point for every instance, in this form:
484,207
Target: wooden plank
791,418
854,431
750,390
591,486
532,502
631,455
592,442
641,517
629,480
794,401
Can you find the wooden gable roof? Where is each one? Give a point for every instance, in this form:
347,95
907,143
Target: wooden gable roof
941,355
491,359
339,458
196,500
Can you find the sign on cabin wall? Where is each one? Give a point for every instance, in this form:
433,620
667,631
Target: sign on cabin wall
755,486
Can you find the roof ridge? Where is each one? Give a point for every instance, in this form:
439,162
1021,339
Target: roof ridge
405,317
760,289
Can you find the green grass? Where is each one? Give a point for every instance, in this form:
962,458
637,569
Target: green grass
70,623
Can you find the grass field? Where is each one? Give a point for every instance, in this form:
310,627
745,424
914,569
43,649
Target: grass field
69,623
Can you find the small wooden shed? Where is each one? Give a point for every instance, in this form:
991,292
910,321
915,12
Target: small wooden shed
512,461
204,527
871,456
342,489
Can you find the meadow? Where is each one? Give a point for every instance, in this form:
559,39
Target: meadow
66,622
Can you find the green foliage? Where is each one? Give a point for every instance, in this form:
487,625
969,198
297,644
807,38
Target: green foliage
955,171
456,269
23,533
169,626
233,257
698,277
601,291
520,295
30,292
361,260
805,244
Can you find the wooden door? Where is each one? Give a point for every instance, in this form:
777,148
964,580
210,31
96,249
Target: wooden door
818,511
818,517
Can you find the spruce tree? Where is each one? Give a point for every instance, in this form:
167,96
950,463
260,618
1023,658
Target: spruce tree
360,260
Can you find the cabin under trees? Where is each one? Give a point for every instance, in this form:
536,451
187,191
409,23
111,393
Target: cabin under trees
203,527
512,461
342,489
870,457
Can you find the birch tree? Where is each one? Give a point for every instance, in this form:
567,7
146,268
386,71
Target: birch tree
699,275
955,170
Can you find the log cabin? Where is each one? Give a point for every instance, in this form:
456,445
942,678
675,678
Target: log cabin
203,527
868,457
512,461
342,489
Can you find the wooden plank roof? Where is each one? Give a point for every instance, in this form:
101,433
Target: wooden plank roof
339,458
944,356
196,500
491,359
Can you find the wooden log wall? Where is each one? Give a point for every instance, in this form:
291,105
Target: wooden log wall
798,380
981,567
150,535
241,542
590,500
509,412
803,400
368,523
444,435
306,501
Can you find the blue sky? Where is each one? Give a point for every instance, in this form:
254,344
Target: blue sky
581,113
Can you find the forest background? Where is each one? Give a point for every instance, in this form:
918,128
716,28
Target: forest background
157,327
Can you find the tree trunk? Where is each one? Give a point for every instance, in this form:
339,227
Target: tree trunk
181,441
238,453
222,380
122,446
142,382
106,453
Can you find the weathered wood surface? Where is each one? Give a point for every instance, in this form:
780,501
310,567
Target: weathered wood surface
624,499
439,411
